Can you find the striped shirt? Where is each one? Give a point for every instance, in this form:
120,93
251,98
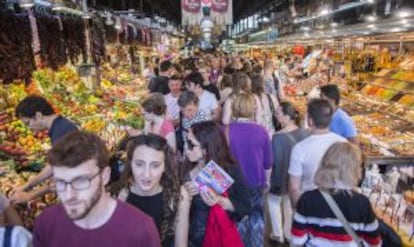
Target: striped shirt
314,223
173,109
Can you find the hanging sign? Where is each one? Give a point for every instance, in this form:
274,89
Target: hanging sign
206,3
222,11
191,6
220,6
191,12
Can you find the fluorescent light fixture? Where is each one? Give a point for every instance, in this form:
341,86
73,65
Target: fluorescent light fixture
334,31
372,26
370,1
324,12
265,19
305,28
404,21
395,30
58,7
87,15
404,13
334,24
371,18
26,3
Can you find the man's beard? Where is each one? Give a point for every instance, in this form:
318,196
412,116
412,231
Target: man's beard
90,204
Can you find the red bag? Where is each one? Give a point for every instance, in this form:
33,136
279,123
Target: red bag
221,231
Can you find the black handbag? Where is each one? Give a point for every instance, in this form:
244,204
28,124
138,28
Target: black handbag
276,124
389,237
179,136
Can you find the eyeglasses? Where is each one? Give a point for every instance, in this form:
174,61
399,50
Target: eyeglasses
78,184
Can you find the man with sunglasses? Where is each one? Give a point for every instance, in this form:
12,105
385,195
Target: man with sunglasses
39,115
87,215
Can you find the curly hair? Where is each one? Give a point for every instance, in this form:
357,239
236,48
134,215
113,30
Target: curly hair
169,179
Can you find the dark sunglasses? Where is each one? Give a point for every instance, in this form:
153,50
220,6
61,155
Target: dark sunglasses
191,145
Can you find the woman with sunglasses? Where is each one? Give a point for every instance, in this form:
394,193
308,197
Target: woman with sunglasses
150,183
205,142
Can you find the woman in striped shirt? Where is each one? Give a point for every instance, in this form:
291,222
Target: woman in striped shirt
315,224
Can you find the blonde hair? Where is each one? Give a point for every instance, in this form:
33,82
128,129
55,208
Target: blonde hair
243,106
341,165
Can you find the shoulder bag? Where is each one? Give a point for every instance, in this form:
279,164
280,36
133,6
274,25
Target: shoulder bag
338,213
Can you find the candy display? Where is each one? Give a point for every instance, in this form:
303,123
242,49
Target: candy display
394,208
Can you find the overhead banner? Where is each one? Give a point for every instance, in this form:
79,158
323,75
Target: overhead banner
222,12
206,3
191,12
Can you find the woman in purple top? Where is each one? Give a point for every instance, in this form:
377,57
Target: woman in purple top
250,144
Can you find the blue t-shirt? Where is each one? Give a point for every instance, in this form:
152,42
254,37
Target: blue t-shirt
60,127
342,124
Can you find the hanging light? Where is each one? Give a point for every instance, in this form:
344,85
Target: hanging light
118,24
404,13
25,4
324,12
86,15
206,35
58,6
109,20
371,18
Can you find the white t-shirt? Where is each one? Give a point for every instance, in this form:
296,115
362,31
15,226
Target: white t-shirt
173,109
20,237
208,103
307,155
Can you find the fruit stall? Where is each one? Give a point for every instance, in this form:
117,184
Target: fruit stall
105,111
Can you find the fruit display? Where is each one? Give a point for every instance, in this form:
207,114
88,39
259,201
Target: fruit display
105,112
382,134
407,100
9,179
404,76
19,143
407,63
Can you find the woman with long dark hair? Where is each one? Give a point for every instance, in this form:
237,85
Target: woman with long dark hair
150,183
207,142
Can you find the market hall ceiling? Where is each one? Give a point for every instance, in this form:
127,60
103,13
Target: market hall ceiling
171,9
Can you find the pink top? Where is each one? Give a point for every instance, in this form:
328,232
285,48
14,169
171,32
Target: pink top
166,128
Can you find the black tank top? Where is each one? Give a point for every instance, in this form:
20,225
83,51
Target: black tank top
153,206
